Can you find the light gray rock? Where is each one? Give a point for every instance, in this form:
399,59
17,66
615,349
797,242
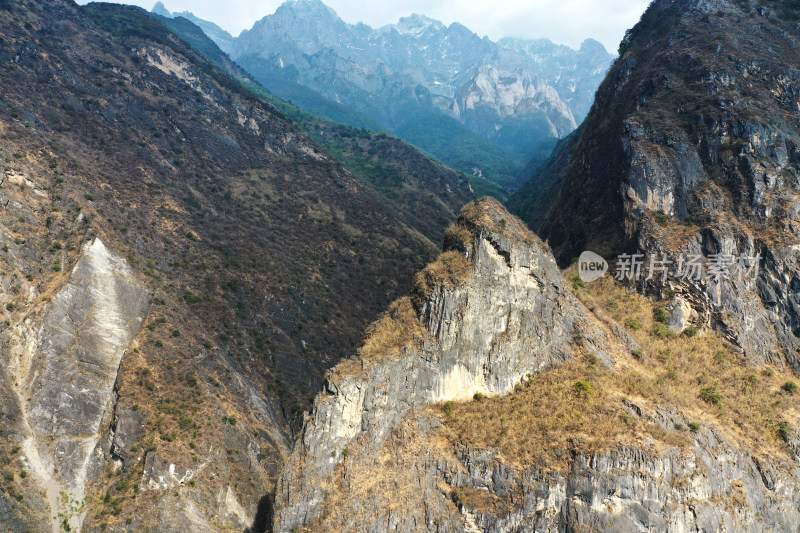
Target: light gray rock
66,370
511,317
680,314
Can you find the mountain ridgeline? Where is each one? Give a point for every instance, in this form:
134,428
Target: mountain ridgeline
484,108
179,266
223,312
692,148
657,403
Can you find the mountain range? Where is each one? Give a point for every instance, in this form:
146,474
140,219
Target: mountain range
506,103
221,312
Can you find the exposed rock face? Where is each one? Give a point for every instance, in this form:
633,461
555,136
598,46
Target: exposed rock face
713,487
372,457
66,371
691,148
506,315
237,224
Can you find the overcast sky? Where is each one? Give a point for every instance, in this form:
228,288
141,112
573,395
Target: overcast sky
564,21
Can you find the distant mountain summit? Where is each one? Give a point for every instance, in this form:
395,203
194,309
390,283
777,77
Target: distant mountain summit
427,82
223,39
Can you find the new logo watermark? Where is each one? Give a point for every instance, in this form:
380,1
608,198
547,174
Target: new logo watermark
714,268
591,267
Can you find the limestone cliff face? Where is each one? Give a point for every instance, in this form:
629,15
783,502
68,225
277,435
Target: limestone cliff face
376,456
499,312
65,374
691,148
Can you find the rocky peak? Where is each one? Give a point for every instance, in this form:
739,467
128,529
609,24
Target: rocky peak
492,309
691,148
416,24
593,47
161,9
307,8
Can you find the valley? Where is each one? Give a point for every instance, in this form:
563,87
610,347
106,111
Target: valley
325,277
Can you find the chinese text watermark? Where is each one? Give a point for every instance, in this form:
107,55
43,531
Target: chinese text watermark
693,267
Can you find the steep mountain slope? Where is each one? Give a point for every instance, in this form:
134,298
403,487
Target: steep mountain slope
691,148
596,426
180,264
420,71
575,75
425,195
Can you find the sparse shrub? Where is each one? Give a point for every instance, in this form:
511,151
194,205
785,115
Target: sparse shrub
791,387
694,427
176,333
56,266
159,343
478,396
786,431
10,307
711,396
583,388
691,331
633,323
637,354
191,298
661,315
662,219
448,408
660,330
679,426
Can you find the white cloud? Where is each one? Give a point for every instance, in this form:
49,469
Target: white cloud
564,21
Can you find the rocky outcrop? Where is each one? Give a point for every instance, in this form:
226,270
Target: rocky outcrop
688,150
489,312
375,456
65,370
415,483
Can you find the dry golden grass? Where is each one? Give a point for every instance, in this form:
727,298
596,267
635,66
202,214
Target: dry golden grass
450,269
704,381
549,416
388,478
387,336
457,237
490,214
394,330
